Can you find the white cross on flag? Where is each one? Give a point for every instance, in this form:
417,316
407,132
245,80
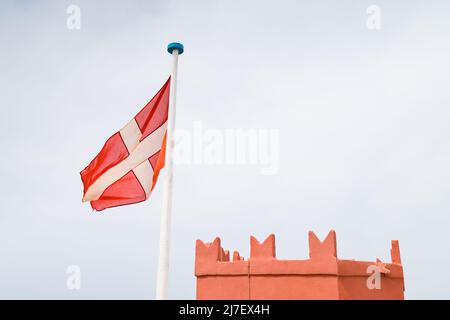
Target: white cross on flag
126,169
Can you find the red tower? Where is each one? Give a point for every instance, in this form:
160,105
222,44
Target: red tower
322,276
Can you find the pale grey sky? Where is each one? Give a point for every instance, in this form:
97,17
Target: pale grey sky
363,117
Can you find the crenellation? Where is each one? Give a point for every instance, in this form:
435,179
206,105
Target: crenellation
322,276
264,250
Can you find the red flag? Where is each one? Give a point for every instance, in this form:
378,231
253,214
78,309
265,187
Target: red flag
126,169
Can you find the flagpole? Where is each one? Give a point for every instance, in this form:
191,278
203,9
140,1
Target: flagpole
162,280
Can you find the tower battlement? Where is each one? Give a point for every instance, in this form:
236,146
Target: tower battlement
322,276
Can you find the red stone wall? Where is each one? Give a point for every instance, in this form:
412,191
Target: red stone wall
322,276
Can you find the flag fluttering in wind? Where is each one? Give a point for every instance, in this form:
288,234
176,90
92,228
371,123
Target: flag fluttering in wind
126,169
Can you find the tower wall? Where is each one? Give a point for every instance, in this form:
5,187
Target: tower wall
322,276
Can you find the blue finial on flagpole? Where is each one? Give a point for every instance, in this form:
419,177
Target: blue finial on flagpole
175,45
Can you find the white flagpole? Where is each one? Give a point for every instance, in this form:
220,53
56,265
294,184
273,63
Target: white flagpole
162,281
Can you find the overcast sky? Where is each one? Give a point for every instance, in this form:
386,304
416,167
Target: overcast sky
362,115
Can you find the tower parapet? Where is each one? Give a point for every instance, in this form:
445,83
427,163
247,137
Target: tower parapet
322,276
